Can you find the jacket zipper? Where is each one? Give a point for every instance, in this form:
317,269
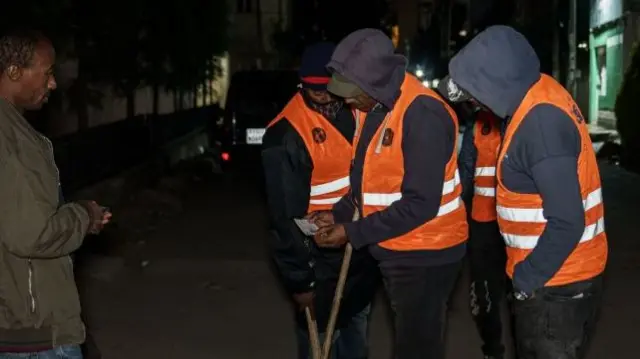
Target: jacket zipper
32,296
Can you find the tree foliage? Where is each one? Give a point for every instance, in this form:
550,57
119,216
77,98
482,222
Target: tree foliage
126,44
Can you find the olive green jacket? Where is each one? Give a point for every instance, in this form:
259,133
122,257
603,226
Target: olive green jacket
39,304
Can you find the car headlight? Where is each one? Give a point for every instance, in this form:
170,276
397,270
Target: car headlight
426,84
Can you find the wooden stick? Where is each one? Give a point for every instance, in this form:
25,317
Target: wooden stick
314,337
337,297
328,340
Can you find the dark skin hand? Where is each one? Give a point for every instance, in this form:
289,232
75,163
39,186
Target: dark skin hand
304,300
332,236
321,218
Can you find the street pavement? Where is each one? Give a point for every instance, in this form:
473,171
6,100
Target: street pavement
201,285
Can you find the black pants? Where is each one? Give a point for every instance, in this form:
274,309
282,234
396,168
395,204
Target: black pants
418,297
557,322
487,261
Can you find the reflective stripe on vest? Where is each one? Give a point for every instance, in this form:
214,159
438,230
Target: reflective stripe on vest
383,173
325,188
520,216
485,191
330,153
386,199
535,215
486,139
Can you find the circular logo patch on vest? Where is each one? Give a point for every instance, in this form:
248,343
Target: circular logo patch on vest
319,136
387,138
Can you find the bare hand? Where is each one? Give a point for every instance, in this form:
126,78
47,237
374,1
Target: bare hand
333,236
98,217
304,300
106,216
321,218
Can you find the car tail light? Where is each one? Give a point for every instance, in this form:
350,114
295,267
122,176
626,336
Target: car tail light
225,156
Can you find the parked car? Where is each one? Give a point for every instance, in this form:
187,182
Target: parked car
254,99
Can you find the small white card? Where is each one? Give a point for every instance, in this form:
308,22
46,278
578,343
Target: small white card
308,228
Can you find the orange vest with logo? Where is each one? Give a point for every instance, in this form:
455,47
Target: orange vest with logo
486,138
330,153
520,216
383,172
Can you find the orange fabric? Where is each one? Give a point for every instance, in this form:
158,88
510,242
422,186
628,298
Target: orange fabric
329,151
520,215
486,139
383,172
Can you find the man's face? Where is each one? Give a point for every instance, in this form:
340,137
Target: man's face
361,102
319,97
35,82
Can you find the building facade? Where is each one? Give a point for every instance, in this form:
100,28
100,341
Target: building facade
614,31
253,24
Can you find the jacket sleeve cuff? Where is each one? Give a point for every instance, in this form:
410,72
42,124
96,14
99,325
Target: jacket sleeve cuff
354,235
523,281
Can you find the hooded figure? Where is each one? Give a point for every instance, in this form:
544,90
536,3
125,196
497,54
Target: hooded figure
549,201
405,188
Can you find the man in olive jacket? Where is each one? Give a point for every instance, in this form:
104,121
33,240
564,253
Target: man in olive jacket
39,306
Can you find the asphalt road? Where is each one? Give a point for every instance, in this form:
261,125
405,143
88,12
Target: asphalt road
204,287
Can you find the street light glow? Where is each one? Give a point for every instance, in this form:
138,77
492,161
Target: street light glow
419,73
462,33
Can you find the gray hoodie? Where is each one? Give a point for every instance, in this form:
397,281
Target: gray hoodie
366,57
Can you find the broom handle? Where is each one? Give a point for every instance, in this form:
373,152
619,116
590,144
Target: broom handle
314,338
337,297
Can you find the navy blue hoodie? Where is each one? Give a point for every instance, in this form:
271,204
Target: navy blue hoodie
497,68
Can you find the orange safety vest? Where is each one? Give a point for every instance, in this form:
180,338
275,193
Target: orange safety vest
330,153
486,138
520,216
383,172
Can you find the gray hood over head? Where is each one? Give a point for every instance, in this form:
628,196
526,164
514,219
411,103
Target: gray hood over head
367,58
497,68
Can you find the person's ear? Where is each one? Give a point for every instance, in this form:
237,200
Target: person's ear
14,73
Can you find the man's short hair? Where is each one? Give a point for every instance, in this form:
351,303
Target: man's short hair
17,48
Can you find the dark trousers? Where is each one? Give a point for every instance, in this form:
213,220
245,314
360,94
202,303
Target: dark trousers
557,323
418,297
487,260
349,342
